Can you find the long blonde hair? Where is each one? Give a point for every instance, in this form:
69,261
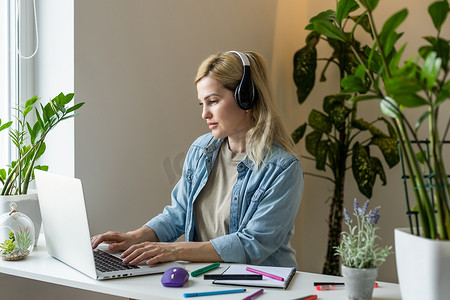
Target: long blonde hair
267,126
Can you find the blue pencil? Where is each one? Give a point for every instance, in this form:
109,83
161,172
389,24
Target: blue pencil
188,295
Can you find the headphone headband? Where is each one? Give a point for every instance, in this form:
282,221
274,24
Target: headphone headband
244,94
243,57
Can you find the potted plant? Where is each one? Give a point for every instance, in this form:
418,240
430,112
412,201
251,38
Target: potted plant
360,254
34,122
338,140
421,83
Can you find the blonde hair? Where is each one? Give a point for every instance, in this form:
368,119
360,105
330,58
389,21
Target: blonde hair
267,126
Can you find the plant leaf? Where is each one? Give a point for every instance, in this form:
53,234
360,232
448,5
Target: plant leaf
389,148
305,63
298,134
31,101
403,90
311,141
369,4
364,22
362,170
332,100
344,7
329,30
319,121
392,24
321,155
68,98
339,115
75,107
390,108
328,15
6,125
444,94
421,157
430,70
438,12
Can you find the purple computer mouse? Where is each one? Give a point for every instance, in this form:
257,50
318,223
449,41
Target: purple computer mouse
175,277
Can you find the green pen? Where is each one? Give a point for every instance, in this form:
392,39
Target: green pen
205,269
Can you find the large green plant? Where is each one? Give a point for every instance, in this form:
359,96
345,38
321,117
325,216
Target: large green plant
421,83
338,135
28,137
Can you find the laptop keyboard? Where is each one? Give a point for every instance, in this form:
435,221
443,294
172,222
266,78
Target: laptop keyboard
106,262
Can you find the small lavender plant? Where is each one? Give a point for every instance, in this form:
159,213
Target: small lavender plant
357,248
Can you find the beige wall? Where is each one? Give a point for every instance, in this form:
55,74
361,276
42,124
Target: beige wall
135,63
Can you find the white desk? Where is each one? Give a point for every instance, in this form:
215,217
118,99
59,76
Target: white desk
42,267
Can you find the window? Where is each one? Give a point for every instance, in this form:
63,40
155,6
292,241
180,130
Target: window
8,73
16,74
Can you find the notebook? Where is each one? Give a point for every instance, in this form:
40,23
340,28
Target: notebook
287,273
66,229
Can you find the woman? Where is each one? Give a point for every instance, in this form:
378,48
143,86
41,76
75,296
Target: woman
241,184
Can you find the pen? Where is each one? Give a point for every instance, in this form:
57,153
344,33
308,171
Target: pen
188,295
205,269
310,297
254,295
265,274
328,283
232,277
322,286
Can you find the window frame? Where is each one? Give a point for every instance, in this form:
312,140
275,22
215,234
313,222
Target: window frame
9,79
17,82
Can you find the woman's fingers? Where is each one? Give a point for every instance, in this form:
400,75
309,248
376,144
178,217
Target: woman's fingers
152,252
116,240
137,253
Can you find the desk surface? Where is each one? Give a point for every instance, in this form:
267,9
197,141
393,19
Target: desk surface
42,267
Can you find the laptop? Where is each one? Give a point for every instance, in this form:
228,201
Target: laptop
67,235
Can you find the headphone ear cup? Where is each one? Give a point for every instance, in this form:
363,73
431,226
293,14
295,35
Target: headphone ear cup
244,94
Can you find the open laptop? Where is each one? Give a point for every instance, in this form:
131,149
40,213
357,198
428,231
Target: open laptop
67,234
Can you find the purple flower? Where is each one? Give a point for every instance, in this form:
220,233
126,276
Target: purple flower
355,206
364,209
347,216
373,216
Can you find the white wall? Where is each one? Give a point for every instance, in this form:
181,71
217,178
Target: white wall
54,73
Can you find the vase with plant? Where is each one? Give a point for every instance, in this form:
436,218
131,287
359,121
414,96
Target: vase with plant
360,255
421,83
33,123
17,234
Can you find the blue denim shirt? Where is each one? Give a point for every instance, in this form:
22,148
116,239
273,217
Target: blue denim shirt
264,204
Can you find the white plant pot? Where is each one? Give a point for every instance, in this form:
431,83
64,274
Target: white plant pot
27,204
423,266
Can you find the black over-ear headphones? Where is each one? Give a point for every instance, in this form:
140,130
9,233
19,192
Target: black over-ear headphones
244,94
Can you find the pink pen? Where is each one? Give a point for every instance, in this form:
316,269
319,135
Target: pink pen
265,274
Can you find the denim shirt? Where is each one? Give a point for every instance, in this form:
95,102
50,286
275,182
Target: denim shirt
264,204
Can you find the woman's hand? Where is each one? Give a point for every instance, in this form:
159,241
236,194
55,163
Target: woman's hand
118,241
153,252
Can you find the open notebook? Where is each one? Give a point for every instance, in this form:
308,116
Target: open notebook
285,272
